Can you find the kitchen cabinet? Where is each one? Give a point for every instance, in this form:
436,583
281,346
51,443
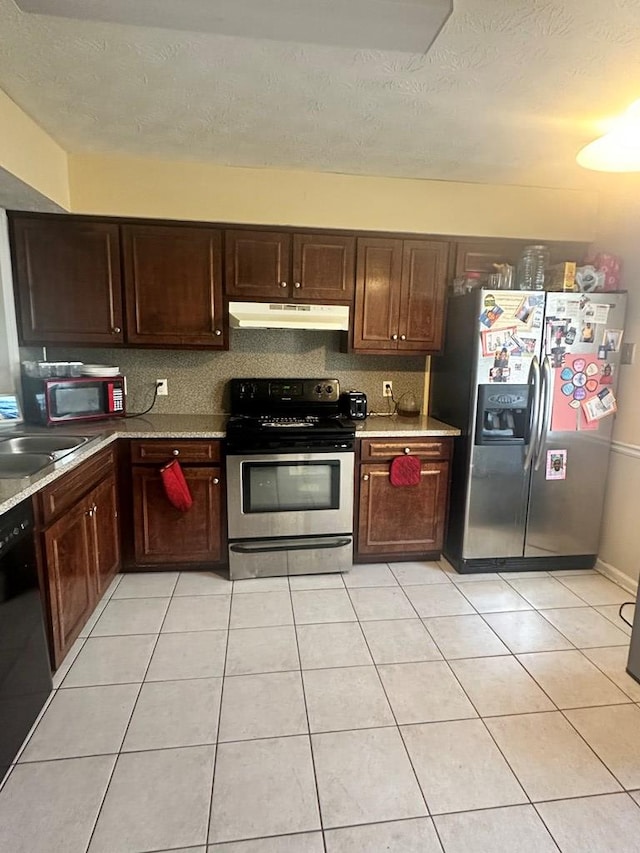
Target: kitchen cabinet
163,535
67,280
80,546
274,265
480,255
400,295
401,522
173,285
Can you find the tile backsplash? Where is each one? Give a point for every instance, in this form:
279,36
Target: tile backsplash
197,379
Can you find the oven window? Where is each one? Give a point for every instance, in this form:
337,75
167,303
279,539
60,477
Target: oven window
78,401
290,486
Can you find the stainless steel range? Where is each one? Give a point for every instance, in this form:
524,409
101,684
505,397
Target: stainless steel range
290,467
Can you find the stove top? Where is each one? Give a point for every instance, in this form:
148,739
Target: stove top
302,414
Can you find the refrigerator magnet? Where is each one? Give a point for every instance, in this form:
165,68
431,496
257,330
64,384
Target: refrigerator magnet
612,340
556,465
600,406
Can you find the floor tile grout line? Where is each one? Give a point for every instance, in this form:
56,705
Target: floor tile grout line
397,726
589,661
217,746
306,712
535,610
597,666
115,763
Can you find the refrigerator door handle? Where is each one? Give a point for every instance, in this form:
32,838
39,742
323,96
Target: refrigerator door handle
534,386
545,416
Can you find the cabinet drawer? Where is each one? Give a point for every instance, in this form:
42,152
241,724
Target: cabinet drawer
385,449
157,451
66,491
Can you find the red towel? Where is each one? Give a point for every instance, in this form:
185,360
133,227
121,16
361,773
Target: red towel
405,471
175,486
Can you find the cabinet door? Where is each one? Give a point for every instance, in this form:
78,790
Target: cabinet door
257,265
106,535
402,520
173,285
164,534
72,591
377,305
67,281
423,293
323,268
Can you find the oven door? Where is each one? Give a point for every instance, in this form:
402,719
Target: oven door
290,494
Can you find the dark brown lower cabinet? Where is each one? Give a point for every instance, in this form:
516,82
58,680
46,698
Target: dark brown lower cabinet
80,549
402,522
70,573
166,537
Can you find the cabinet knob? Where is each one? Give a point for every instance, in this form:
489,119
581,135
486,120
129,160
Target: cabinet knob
297,285
394,337
403,337
215,481
89,512
365,477
95,509
217,333
116,330
407,450
283,284
176,452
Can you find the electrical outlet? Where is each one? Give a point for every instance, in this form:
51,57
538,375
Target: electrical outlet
163,387
387,388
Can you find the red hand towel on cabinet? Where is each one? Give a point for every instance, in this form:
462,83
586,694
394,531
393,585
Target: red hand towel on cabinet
405,471
175,486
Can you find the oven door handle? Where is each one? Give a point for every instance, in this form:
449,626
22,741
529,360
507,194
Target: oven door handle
242,548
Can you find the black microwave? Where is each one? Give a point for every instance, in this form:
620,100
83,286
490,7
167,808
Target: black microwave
56,401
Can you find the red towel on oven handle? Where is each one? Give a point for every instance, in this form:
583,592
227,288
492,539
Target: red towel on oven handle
405,471
175,486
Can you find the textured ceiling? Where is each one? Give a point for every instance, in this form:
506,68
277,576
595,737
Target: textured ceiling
507,94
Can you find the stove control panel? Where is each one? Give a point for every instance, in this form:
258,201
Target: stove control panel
265,394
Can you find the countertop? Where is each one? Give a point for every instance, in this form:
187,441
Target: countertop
12,492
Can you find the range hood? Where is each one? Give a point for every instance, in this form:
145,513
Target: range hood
274,315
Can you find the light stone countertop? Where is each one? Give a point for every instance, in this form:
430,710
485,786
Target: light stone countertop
12,492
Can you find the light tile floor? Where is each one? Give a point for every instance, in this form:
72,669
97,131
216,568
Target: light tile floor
400,708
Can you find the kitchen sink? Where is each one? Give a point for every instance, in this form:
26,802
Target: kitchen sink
24,455
53,446
14,466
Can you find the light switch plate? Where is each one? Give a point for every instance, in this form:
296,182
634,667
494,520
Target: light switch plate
627,353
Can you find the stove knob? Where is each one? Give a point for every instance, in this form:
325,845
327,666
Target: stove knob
318,389
329,389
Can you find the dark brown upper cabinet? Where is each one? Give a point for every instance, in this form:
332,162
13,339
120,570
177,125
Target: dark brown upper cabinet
400,295
67,280
481,254
173,285
272,265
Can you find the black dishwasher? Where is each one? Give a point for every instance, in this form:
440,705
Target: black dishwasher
25,673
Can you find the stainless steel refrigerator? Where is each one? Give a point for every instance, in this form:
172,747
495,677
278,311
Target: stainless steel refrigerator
530,379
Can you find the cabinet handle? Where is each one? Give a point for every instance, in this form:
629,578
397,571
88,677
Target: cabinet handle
407,450
116,330
215,481
403,337
217,333
283,284
394,337
95,509
89,513
365,477
176,452
297,285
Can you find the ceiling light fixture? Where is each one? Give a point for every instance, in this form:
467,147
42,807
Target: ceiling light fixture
404,25
619,149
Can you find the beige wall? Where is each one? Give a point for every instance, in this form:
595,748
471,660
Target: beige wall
31,155
619,232
126,186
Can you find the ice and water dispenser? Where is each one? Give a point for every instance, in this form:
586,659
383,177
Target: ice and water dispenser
503,415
